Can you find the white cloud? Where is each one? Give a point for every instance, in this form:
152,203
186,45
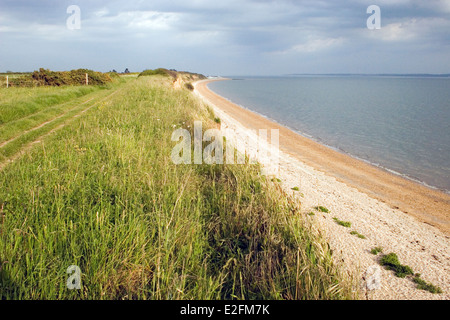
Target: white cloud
152,20
102,12
401,31
314,45
412,29
137,20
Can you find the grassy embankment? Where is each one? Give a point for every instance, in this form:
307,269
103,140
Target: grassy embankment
28,113
102,193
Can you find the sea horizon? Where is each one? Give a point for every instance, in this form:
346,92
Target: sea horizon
405,75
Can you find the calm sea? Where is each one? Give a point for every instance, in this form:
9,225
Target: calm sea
401,124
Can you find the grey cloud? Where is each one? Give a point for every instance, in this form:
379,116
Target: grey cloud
252,36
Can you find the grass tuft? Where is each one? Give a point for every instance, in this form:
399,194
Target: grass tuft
376,250
322,209
391,262
423,285
345,224
356,233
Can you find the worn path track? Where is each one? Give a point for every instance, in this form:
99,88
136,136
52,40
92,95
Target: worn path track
67,118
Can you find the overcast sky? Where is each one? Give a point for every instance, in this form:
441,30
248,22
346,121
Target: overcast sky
227,37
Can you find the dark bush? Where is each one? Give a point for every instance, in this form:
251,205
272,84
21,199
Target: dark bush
173,73
159,71
45,77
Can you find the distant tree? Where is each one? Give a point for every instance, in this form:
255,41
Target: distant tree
114,70
126,71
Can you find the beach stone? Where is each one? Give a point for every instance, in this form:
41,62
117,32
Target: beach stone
373,278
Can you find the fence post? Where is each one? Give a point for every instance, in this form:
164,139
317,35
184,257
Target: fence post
7,82
87,79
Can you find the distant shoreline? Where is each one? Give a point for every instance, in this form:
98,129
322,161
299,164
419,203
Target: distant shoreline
428,205
381,75
406,75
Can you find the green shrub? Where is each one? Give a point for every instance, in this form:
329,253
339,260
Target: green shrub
359,235
376,250
391,262
346,224
159,71
423,285
45,77
322,209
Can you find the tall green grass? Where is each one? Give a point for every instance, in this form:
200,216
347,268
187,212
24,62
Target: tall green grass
15,134
102,193
20,126
16,103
